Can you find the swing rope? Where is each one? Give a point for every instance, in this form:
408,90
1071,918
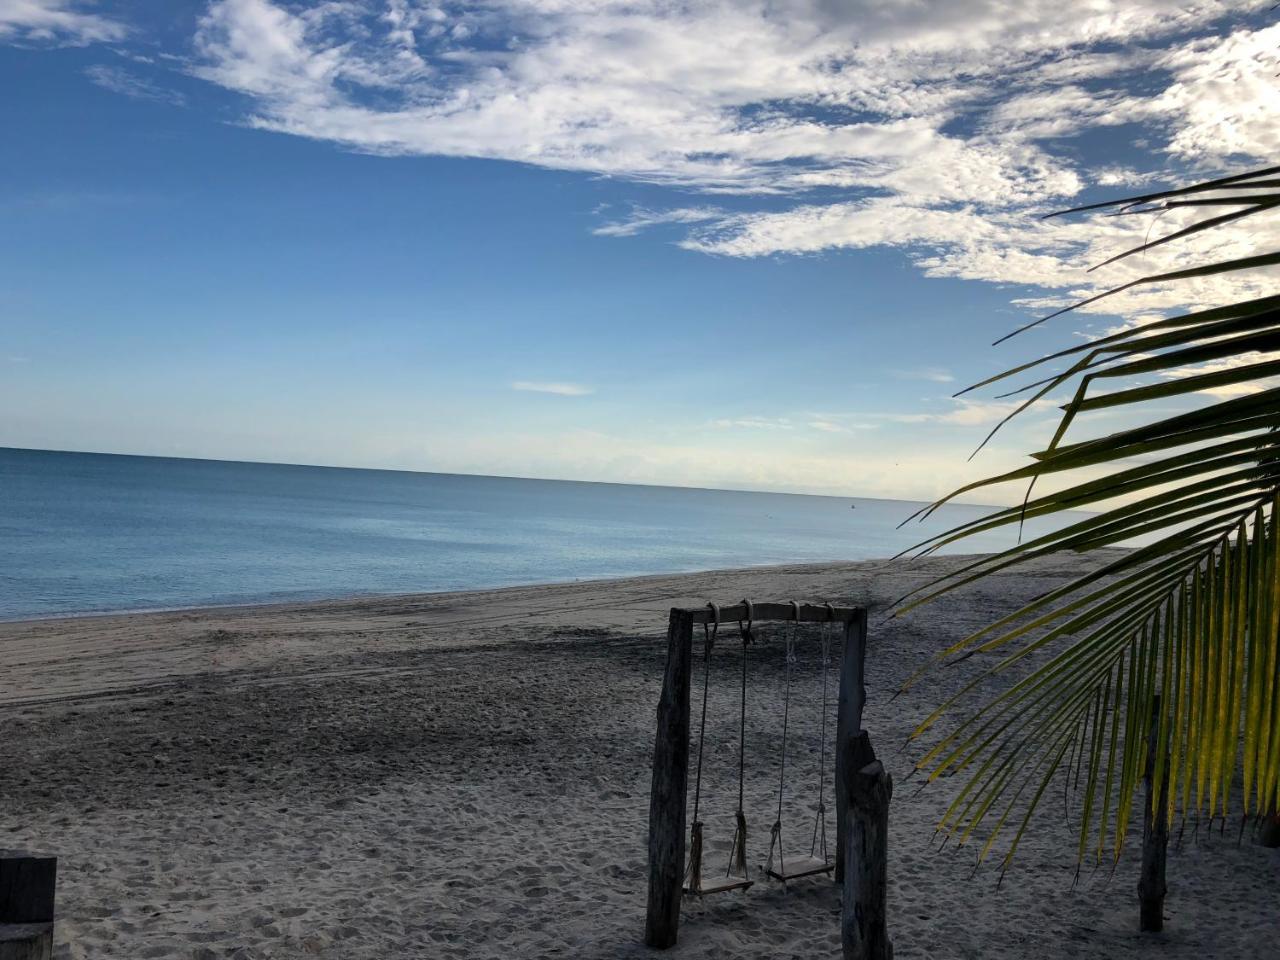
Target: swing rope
775,835
693,872
738,852
820,821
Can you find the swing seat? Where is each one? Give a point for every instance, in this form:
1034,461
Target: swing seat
718,884
793,868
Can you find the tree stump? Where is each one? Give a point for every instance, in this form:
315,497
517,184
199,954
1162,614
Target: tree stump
863,923
27,884
1155,838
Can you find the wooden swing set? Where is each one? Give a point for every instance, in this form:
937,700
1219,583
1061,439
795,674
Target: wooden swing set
671,875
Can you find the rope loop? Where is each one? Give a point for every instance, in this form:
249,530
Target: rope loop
709,636
747,635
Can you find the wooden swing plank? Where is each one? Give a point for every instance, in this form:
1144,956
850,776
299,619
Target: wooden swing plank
719,884
793,868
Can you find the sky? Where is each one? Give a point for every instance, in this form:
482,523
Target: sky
752,245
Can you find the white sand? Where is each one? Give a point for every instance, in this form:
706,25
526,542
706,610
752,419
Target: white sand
467,775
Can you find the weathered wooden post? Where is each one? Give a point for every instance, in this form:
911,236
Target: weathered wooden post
864,933
1155,836
853,697
670,785
27,884
1269,831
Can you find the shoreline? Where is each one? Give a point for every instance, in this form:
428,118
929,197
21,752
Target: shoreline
315,601
141,649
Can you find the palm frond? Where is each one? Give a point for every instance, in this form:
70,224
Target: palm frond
1179,634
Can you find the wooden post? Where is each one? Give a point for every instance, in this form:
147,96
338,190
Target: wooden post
1269,831
27,884
1155,837
864,931
670,785
26,941
853,696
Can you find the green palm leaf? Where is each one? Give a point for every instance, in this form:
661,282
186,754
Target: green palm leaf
1189,621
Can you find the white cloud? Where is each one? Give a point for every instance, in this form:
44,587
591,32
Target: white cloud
940,124
1225,93
55,21
790,461
1225,364
754,96
640,219
753,423
559,389
967,413
121,81
958,411
826,426
931,374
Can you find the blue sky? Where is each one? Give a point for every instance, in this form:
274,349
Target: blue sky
751,245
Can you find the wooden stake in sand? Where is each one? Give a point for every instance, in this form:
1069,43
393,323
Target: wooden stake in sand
864,931
1155,837
853,697
27,884
670,787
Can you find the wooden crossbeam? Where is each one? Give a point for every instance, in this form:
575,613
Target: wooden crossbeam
775,610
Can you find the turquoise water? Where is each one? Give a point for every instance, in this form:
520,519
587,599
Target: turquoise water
93,532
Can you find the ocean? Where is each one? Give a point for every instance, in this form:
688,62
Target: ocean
85,533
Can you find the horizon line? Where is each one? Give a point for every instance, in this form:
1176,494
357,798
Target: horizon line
488,476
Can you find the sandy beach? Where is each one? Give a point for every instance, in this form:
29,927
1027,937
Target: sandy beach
467,775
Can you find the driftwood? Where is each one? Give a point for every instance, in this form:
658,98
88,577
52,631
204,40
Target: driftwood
27,884
1155,837
864,931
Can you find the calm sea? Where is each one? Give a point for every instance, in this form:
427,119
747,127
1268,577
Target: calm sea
92,532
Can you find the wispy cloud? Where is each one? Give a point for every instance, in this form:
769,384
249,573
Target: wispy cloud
641,219
121,81
753,423
559,389
56,21
969,413
826,426
956,411
931,374
1242,389
941,126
